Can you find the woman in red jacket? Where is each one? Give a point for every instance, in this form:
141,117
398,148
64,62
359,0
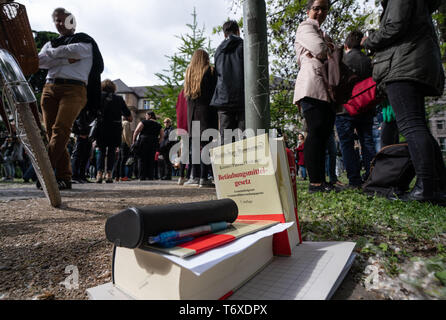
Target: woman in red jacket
300,156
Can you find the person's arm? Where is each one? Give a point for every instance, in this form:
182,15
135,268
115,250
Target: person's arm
75,51
137,131
308,37
161,135
395,26
46,62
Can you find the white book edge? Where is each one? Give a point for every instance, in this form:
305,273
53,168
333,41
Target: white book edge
110,292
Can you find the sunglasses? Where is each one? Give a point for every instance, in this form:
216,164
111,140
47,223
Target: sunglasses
317,8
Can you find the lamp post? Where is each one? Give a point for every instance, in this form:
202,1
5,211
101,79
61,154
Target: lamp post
257,108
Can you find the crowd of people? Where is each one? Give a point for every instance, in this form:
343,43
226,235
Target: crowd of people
406,67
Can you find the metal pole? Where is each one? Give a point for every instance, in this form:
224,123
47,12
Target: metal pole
257,108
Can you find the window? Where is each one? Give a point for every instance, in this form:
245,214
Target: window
440,125
442,143
148,105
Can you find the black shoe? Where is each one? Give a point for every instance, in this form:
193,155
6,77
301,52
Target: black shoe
354,186
328,187
76,181
165,178
422,192
38,185
337,186
64,184
314,189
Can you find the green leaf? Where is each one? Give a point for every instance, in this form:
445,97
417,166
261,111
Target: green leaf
441,276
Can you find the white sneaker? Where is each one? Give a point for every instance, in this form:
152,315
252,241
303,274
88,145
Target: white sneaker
181,181
193,182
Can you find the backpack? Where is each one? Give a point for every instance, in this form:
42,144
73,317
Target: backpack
391,171
363,99
339,78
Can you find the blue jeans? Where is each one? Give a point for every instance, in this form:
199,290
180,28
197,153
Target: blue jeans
110,154
345,126
303,172
377,137
9,168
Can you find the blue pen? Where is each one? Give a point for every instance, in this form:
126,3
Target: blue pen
170,236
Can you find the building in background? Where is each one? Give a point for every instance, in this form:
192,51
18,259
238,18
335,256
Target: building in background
135,98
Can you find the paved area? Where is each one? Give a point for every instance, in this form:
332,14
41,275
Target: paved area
25,191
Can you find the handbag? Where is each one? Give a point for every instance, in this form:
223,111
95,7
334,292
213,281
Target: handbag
363,98
93,130
391,171
136,147
130,161
338,78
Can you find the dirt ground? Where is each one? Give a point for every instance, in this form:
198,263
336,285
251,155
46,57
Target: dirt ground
40,246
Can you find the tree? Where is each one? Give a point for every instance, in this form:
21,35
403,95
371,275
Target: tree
283,18
165,95
440,18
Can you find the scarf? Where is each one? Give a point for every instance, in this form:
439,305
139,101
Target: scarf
94,78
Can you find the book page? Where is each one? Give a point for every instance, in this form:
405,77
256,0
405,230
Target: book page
309,274
203,262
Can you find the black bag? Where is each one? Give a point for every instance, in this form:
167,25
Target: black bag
136,148
93,130
391,171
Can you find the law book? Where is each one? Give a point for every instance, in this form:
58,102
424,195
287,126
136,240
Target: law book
313,272
255,174
146,275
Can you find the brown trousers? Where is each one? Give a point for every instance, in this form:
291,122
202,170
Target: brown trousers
61,104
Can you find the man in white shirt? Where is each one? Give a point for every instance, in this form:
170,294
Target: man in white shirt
70,61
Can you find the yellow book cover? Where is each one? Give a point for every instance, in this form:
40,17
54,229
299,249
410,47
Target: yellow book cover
252,172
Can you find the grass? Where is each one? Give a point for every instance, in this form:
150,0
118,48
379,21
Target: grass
395,231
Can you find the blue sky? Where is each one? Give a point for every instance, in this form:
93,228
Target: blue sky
134,35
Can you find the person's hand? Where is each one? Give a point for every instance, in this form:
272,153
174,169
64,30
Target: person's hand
71,61
363,40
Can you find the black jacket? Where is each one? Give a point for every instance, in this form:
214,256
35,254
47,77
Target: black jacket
230,90
109,129
198,109
406,45
94,78
166,144
360,65
82,123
